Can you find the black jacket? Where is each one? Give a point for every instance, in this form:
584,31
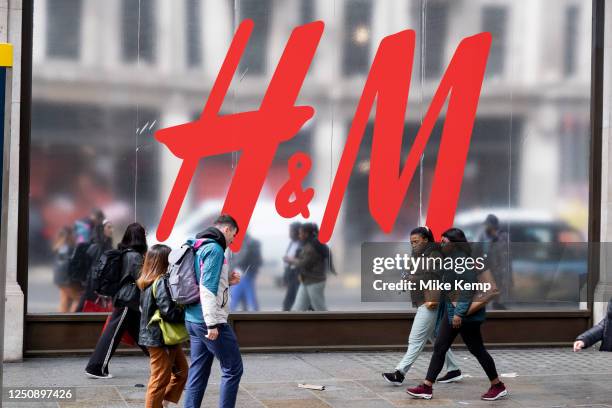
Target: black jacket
425,273
129,295
602,331
215,234
310,263
151,335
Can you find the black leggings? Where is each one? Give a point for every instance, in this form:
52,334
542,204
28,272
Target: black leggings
470,332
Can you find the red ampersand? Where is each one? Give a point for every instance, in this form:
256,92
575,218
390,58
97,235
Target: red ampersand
299,165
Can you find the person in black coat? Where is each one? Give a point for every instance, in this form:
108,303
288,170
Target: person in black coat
126,304
101,241
602,331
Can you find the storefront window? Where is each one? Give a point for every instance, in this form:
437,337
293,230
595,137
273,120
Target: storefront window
108,75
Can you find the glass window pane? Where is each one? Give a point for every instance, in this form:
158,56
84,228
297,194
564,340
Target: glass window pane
64,21
103,86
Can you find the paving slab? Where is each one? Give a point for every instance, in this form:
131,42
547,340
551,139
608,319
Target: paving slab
546,378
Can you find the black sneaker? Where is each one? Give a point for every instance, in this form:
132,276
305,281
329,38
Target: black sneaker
396,378
451,376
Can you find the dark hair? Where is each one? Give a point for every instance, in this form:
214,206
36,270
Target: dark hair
492,220
310,229
134,238
295,226
155,265
424,232
227,220
97,216
98,237
457,236
65,236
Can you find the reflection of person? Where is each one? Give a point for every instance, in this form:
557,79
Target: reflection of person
209,333
246,262
424,324
84,227
495,245
602,331
168,363
290,276
310,263
453,319
125,317
70,291
101,241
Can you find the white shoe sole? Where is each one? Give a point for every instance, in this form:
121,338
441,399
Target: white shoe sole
98,377
454,379
500,395
392,383
424,396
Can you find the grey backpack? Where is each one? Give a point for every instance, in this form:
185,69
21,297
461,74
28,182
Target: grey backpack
182,282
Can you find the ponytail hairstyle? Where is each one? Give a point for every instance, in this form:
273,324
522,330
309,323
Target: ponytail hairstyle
424,232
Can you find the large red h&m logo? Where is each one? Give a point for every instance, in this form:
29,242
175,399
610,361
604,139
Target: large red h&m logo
257,134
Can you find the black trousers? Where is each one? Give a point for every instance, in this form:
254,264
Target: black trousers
122,319
293,283
470,332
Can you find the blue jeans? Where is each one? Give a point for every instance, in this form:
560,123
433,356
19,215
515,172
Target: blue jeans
244,293
203,351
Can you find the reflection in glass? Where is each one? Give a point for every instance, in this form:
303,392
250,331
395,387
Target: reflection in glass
64,21
104,82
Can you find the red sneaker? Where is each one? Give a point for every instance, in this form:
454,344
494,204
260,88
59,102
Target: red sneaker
422,391
496,392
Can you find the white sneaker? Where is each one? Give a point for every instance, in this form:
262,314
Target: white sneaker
98,377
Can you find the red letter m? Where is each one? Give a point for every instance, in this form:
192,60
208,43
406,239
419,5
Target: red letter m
389,83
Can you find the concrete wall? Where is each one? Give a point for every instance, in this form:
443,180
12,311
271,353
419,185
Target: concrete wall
10,31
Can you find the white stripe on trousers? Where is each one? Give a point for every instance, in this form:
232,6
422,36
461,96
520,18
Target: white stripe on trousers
110,348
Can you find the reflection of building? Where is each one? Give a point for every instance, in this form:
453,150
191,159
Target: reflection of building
119,73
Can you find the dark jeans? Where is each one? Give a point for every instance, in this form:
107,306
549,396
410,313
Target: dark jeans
203,351
470,332
122,319
293,283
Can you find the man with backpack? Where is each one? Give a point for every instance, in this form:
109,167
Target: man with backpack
209,333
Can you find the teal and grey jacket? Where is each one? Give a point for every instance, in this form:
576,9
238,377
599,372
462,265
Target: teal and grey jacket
213,275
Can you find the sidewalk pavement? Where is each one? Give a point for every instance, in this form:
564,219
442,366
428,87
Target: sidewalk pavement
551,377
